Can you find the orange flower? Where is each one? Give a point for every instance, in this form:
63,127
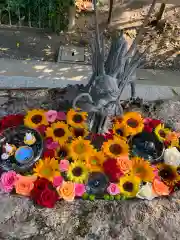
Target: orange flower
124,163
160,188
25,184
67,191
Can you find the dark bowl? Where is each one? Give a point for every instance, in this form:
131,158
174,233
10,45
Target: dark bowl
16,136
147,146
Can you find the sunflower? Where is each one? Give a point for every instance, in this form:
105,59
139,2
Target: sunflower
59,132
173,139
119,130
168,174
77,172
161,132
76,118
94,161
142,169
79,132
35,118
62,152
129,185
48,168
80,148
133,123
115,148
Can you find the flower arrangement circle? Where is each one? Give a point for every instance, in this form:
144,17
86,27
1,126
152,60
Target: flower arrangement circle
59,132
54,156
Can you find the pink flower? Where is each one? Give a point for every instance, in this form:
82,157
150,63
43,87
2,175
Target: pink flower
156,172
64,165
50,144
79,189
113,189
7,181
57,181
51,116
61,116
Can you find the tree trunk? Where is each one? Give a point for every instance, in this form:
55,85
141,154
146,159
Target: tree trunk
111,3
72,17
161,11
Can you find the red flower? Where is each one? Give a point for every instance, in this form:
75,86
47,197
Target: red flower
43,193
11,121
42,129
48,198
112,170
109,135
49,153
150,124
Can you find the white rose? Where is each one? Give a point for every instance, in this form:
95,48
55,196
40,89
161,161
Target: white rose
172,156
146,192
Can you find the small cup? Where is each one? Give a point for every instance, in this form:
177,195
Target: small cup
24,154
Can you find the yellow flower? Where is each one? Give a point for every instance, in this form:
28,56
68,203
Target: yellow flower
79,148
168,174
161,132
129,185
142,169
62,152
94,161
119,130
59,132
35,118
115,148
133,123
173,139
48,168
77,172
76,118
79,132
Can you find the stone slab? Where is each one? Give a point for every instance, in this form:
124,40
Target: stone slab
71,54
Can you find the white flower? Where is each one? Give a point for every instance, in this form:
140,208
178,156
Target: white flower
4,156
146,192
172,157
8,148
29,136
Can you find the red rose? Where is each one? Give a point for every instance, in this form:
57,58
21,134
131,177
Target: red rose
112,170
42,129
44,193
150,124
11,121
49,153
48,198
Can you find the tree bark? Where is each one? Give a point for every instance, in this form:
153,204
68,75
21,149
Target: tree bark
111,3
161,11
72,17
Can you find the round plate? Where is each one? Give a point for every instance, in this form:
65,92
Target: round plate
15,136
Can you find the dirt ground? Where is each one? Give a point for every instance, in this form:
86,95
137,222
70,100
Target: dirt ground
163,41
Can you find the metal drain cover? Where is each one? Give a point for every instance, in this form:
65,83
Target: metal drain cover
71,54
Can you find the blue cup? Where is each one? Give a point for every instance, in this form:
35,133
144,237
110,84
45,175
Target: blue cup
24,154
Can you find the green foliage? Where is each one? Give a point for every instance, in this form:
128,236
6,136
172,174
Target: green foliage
40,13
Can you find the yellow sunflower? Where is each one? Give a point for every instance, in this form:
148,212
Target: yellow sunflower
79,132
129,185
48,168
173,139
142,169
59,131
115,148
119,130
161,132
168,174
62,152
35,118
76,118
77,172
79,148
133,123
94,161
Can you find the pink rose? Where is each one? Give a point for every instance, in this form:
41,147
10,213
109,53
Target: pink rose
156,172
79,189
64,165
51,116
57,181
61,116
50,144
113,189
7,181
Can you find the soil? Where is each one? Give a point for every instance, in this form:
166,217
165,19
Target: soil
163,41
